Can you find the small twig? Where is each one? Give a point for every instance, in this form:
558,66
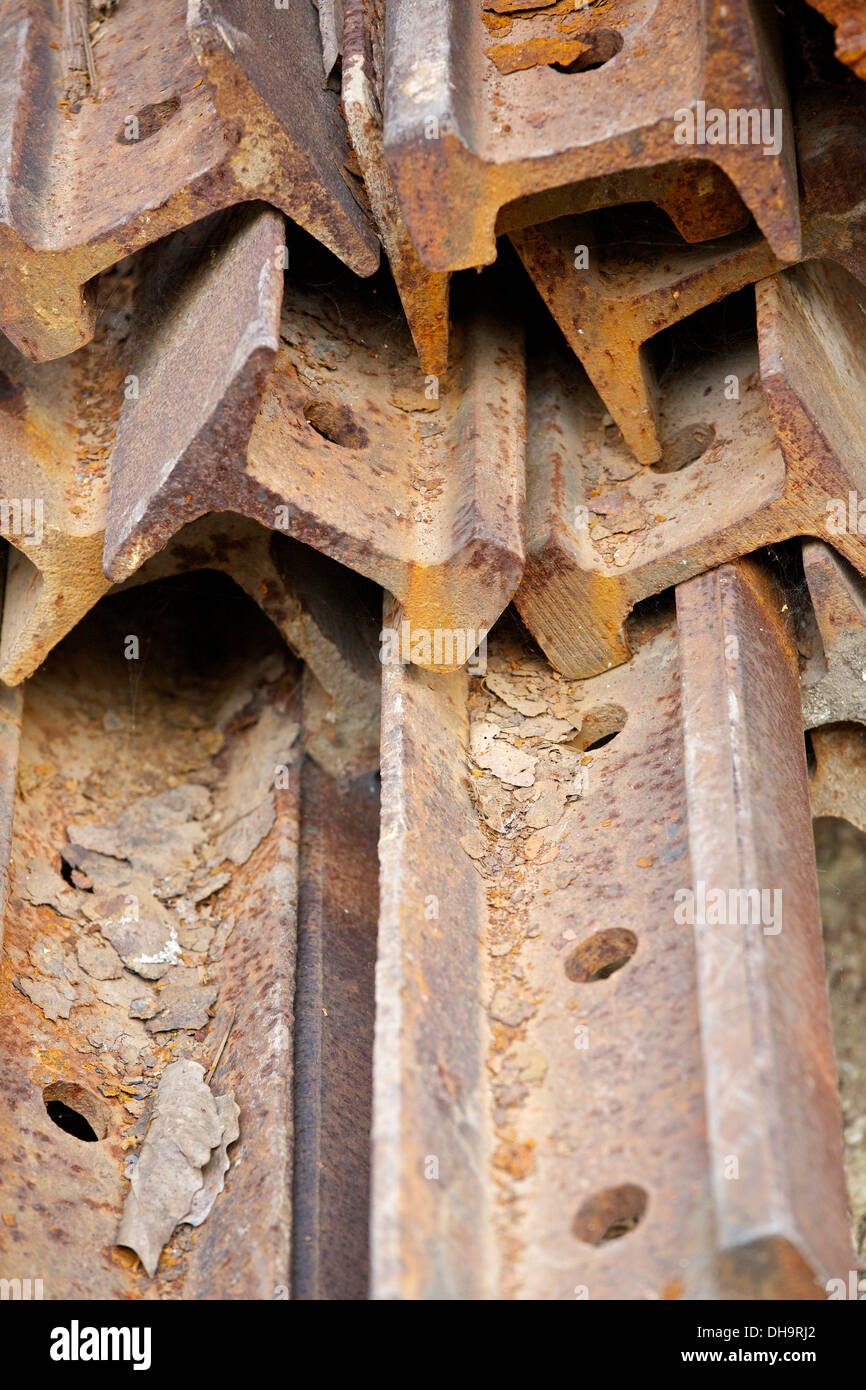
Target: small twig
77,52
221,1047
88,53
74,57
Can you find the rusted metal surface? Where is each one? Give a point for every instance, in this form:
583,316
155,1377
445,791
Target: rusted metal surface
416,484
207,319
205,307
595,1071
593,1151
831,638
424,293
697,196
765,1027
770,451
10,736
334,1012
481,1186
833,680
637,279
172,722
430,1230
849,21
195,111
210,329
56,426
837,785
282,931
463,137
567,1036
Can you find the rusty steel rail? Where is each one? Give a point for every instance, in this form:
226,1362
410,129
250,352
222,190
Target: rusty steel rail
283,952
415,482
10,738
323,613
192,111
334,1017
831,638
65,1029
55,434
60,420
639,281
431,1230
766,1075
210,395
571,822
636,282
206,309
424,293
483,109
758,464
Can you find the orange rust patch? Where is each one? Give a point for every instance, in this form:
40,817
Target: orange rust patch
533,53
518,1160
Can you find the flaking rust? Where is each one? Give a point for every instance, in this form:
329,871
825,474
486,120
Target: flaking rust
756,465
271,893
72,1027
569,1037
463,139
193,113
610,303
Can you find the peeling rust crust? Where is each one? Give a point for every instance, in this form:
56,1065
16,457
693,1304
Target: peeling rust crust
273,955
